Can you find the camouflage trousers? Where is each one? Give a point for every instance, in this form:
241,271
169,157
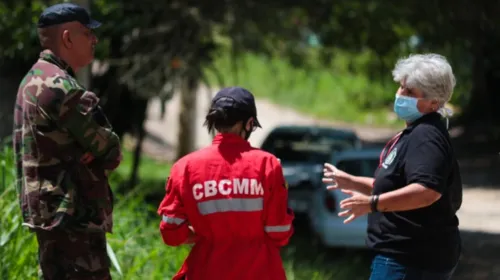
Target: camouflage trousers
70,255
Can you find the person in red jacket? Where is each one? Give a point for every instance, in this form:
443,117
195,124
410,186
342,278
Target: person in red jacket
229,199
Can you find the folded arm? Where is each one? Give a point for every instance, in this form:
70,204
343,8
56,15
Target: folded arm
76,115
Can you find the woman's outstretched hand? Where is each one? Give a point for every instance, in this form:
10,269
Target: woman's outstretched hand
336,178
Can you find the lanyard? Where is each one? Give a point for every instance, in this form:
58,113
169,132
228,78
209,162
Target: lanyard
394,140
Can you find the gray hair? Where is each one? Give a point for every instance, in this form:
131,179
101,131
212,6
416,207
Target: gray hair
431,73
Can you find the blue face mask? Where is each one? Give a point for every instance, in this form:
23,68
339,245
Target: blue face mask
406,108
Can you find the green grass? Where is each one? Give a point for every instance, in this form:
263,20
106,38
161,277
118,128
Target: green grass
149,169
341,92
137,248
18,251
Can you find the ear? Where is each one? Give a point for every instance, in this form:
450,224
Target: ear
66,39
248,125
434,104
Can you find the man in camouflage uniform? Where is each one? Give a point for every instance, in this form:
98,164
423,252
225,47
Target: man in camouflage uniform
64,147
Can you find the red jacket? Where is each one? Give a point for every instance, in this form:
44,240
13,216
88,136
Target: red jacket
235,198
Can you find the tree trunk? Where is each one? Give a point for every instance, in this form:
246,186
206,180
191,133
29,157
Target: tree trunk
84,75
483,101
12,71
187,116
137,158
475,108
7,100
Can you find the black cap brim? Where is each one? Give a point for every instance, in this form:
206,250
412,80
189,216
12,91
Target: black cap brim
257,123
93,24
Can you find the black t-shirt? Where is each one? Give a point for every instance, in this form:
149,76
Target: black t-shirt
428,237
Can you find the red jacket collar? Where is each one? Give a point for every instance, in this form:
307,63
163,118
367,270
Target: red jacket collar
229,138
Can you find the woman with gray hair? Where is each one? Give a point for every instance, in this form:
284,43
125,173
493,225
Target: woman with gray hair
417,189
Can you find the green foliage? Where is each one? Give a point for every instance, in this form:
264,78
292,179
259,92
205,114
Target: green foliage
153,45
136,243
18,19
18,248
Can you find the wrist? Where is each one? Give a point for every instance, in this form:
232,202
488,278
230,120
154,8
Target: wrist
374,203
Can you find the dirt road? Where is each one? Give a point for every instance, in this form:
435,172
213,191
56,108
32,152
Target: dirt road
270,115
479,216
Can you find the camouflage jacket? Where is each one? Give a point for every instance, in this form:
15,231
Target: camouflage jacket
55,124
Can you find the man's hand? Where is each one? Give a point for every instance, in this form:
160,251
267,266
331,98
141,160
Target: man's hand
337,178
192,236
87,158
357,205
112,159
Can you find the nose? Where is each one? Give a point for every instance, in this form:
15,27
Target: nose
402,91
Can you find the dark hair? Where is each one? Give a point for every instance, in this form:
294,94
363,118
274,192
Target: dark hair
223,119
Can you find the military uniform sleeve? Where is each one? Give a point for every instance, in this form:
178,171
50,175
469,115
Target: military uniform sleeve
76,114
173,226
114,157
277,216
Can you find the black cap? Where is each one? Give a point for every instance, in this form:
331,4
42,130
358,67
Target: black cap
66,12
236,98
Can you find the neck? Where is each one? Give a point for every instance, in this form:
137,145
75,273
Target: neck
64,57
237,133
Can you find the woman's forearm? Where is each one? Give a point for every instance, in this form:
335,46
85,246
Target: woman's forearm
363,185
411,197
